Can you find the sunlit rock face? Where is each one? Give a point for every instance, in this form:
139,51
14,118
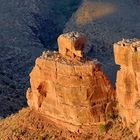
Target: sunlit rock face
72,44
66,89
127,55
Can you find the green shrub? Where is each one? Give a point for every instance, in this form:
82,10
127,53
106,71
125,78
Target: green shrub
40,138
102,128
105,127
47,137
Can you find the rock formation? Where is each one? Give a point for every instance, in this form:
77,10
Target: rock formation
72,44
67,89
127,55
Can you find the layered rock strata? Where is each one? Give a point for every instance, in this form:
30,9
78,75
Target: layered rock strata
73,92
127,55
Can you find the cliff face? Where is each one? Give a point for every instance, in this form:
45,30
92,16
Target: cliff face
127,55
26,28
69,90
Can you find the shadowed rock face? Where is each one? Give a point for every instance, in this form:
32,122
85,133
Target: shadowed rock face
127,55
74,92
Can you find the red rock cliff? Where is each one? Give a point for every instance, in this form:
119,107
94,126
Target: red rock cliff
127,55
69,88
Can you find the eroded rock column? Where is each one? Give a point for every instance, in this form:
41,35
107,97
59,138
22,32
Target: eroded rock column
127,55
67,87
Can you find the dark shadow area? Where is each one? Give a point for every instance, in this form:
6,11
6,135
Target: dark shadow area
26,29
104,23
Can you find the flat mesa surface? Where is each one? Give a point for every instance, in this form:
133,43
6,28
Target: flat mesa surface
57,57
28,125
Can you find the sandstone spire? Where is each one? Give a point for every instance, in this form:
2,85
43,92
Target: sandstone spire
127,55
68,92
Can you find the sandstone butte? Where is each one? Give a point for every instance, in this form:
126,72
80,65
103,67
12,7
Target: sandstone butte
69,88
127,55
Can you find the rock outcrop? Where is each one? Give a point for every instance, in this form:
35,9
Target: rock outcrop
127,55
69,91
72,45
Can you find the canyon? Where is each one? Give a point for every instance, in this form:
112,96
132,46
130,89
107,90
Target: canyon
30,27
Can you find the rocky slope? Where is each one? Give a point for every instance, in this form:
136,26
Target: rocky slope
27,125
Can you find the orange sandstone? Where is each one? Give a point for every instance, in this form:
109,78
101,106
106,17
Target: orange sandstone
72,44
127,55
73,92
